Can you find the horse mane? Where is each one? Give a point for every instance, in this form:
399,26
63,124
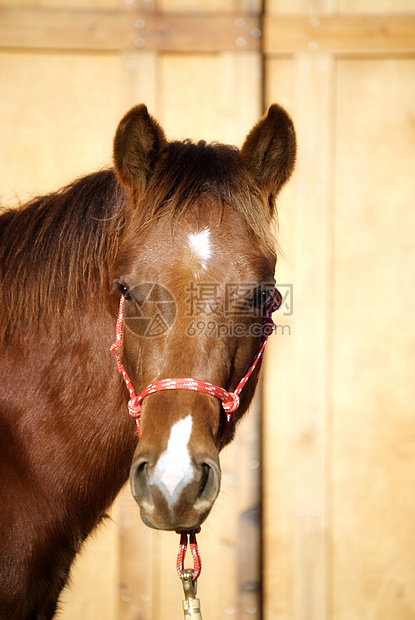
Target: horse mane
57,248
187,172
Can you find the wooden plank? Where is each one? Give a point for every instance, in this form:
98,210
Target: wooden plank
51,104
140,79
135,585
360,34
380,7
212,6
241,82
185,110
124,30
230,78
374,342
278,505
199,32
297,429
63,30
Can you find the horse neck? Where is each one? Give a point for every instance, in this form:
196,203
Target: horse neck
71,415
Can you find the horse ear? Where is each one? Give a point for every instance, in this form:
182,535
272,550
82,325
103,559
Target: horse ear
139,144
269,151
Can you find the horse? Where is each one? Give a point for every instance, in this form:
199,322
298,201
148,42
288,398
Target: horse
177,235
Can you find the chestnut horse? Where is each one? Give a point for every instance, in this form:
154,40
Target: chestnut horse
177,227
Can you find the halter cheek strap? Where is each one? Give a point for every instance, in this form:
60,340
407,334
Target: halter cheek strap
230,400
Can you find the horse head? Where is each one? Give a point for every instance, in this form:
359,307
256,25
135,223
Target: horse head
196,269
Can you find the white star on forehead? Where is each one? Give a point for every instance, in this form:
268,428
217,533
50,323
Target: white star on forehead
201,245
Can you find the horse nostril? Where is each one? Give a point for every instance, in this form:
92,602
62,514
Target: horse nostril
209,485
205,477
139,483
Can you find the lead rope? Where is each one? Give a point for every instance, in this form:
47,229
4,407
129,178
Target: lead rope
191,604
230,402
194,549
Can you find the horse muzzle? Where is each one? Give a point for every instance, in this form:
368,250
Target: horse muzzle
177,492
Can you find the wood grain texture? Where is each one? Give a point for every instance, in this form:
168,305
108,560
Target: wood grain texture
340,34
297,365
121,30
374,342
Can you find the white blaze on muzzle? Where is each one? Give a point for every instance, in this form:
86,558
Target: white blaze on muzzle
174,469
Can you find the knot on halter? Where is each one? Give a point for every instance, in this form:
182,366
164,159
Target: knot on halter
134,407
230,402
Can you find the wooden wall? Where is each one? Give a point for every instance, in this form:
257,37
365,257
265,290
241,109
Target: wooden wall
338,414
339,423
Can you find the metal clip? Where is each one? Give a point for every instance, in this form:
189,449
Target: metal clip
191,604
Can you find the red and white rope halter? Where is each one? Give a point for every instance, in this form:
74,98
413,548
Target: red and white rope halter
230,400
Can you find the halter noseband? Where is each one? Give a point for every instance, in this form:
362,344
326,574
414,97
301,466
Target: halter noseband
230,400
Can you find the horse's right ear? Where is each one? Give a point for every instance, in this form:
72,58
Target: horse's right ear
139,144
269,151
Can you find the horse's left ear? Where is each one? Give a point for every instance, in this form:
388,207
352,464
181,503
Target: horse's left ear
139,144
269,151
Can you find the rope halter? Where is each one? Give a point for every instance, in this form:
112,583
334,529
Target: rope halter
230,400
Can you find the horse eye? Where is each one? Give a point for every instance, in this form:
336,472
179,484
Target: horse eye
266,297
124,291
261,297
